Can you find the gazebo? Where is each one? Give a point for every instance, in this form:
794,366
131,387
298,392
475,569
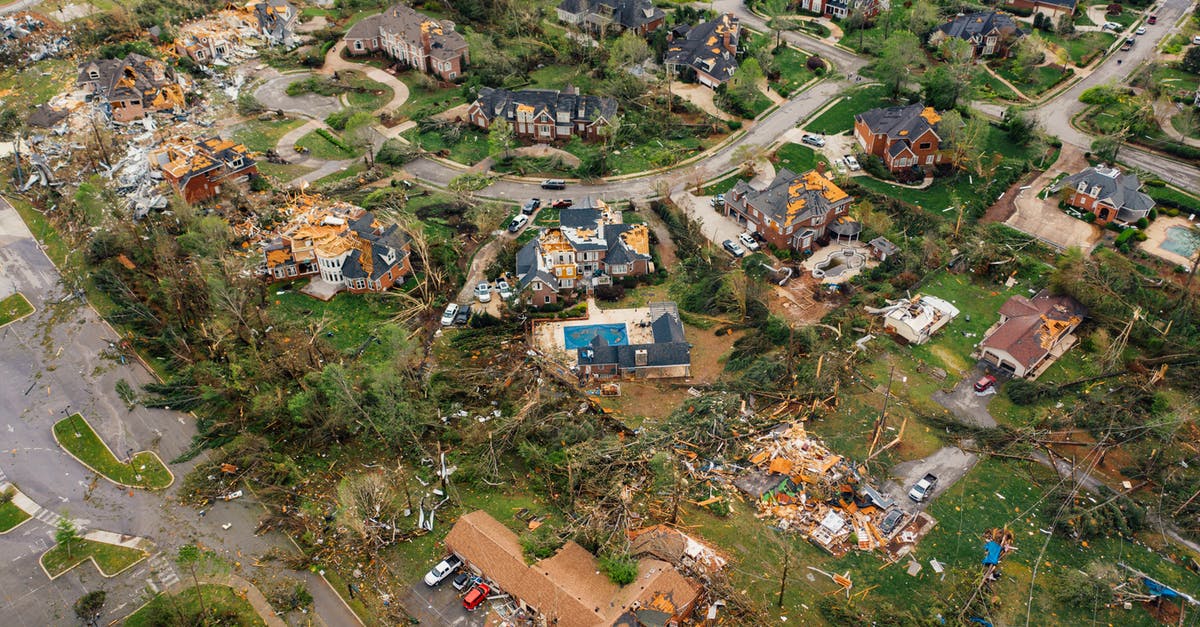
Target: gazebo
845,229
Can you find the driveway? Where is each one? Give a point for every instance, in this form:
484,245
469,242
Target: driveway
273,95
948,464
441,606
717,227
966,404
1043,219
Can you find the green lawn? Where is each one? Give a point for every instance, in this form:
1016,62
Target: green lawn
793,70
144,470
261,136
470,148
558,76
322,148
798,158
1040,79
374,94
11,516
1081,48
350,171
14,308
351,318
951,347
28,86
424,101
217,599
110,559
840,117
992,88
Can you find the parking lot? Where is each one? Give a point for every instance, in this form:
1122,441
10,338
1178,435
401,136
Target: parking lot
441,605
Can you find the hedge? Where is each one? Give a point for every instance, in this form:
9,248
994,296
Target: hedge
334,139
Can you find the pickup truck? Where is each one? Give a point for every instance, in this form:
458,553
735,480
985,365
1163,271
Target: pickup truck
1128,44
923,488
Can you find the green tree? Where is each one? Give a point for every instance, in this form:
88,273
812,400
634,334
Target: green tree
360,128
190,556
901,53
628,50
1030,52
1107,147
922,18
962,139
941,89
88,606
1191,60
501,137
960,62
744,83
621,569
66,534
1020,126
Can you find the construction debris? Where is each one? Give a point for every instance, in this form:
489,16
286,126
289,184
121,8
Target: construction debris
916,319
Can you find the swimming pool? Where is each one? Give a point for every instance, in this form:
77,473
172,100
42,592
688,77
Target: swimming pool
580,336
1178,241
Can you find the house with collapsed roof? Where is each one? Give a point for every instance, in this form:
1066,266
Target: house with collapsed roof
545,115
916,319
340,245
706,52
842,8
1031,334
601,17
590,247
569,588
990,33
903,137
794,211
1113,196
198,169
276,20
665,354
129,88
414,39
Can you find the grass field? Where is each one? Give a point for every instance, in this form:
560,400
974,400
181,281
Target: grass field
14,308
11,516
798,158
424,101
110,559
376,95
351,318
217,599
322,148
991,87
471,147
351,171
144,470
840,117
793,71
1040,80
261,136
25,85
1081,48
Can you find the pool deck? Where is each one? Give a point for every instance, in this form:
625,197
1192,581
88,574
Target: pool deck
549,338
835,248
1156,233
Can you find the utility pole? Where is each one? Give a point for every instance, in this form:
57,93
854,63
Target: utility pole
882,412
787,554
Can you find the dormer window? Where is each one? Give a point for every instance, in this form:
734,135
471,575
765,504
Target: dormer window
1082,187
94,74
1095,190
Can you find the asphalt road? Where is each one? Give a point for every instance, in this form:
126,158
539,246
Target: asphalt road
57,361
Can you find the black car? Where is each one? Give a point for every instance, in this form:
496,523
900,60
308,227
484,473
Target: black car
463,315
532,205
461,581
554,184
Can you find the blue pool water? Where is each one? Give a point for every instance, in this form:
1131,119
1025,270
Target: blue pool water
581,336
1177,241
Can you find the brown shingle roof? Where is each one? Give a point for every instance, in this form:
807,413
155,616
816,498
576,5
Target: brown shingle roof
1033,326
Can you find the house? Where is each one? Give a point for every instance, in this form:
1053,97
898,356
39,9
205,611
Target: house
339,244
1053,9
917,319
198,169
1031,334
544,115
225,37
841,9
668,354
1108,193
568,588
276,20
903,137
794,211
424,43
676,547
601,17
129,88
589,247
706,53
990,33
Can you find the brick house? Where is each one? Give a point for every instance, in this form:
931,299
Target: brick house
1051,8
544,115
793,212
600,17
426,44
340,244
990,33
589,247
708,51
841,8
1107,193
197,170
903,137
131,87
1031,334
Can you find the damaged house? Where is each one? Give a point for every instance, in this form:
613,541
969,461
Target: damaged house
794,211
129,88
589,247
276,21
1031,334
197,170
544,115
903,137
705,53
916,319
414,39
602,17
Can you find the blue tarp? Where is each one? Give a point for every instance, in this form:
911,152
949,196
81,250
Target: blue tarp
991,553
1158,589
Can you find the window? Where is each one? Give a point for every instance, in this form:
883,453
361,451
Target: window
358,45
291,271
929,160
547,298
924,145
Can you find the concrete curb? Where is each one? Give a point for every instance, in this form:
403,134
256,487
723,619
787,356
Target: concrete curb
17,500
110,452
253,596
15,320
91,559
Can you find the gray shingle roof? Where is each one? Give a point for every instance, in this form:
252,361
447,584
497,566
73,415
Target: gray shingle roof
627,13
1116,188
904,122
494,102
974,26
148,75
670,347
774,200
708,47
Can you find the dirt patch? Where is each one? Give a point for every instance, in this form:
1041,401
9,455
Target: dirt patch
794,301
1004,209
953,362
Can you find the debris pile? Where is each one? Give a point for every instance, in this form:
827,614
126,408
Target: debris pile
916,319
30,37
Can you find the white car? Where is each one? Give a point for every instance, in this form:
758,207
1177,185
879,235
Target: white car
503,289
1141,30
747,240
1196,40
852,163
1113,26
444,569
483,292
448,315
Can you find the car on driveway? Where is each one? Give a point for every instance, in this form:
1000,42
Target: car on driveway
449,315
748,242
531,205
814,140
1112,26
503,289
443,570
717,201
923,488
483,292
462,580
732,248
852,163
464,315
518,223
476,596
985,382
554,184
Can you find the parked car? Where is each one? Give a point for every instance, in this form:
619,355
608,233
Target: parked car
476,596
717,201
483,292
503,289
1196,40
852,163
1113,26
554,184
442,570
518,223
449,315
1128,44
1141,30
985,382
1153,19
462,580
531,205
813,140
732,248
748,242
924,488
562,203
464,315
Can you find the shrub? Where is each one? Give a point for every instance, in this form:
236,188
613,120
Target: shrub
610,293
334,139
